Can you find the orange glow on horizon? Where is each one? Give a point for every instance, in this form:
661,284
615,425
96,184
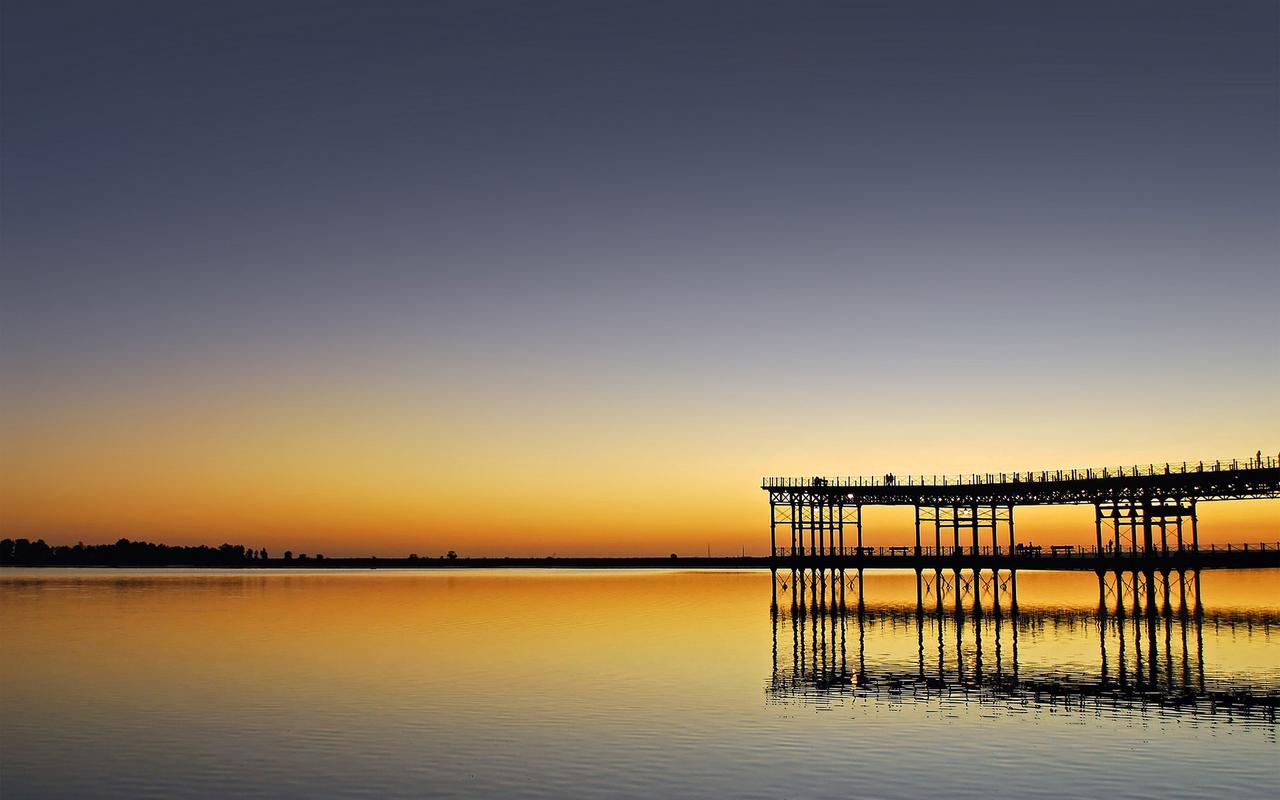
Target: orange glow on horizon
349,473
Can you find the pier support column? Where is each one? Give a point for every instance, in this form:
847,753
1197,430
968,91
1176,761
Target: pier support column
859,528
818,525
937,531
840,525
917,538
773,533
955,530
833,525
797,538
1115,521
1195,540
829,526
813,529
1148,545
973,523
1097,525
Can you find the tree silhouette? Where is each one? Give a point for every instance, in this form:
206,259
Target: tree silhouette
23,552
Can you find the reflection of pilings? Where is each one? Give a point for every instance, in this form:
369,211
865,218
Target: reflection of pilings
1013,615
1124,662
1199,643
999,626
1138,672
862,641
1102,643
1186,655
920,638
1102,619
977,644
820,658
1152,653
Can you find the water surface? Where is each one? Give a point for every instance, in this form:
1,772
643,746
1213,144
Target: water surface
119,683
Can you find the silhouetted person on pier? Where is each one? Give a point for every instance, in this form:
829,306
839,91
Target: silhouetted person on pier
888,479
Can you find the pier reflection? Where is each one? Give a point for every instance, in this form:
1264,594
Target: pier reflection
1141,650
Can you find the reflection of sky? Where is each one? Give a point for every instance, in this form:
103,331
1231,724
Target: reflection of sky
637,684
308,274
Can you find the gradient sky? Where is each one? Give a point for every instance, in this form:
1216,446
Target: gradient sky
534,277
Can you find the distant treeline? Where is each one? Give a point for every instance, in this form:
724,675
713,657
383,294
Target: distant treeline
23,552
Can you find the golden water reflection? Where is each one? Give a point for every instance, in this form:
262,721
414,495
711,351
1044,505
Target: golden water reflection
126,683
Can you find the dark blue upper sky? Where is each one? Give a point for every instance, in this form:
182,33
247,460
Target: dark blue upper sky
1011,201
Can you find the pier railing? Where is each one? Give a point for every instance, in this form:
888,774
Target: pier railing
1029,476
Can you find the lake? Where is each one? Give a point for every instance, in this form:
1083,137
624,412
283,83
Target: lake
490,683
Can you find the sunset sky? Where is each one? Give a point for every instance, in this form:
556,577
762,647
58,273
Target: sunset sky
570,277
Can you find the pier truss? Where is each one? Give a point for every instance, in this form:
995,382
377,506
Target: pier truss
1144,517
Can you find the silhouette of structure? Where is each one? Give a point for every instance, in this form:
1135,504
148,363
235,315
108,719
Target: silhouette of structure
1150,654
1145,518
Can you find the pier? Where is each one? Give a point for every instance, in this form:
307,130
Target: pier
1145,518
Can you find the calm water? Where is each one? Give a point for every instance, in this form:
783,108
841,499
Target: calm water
683,684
